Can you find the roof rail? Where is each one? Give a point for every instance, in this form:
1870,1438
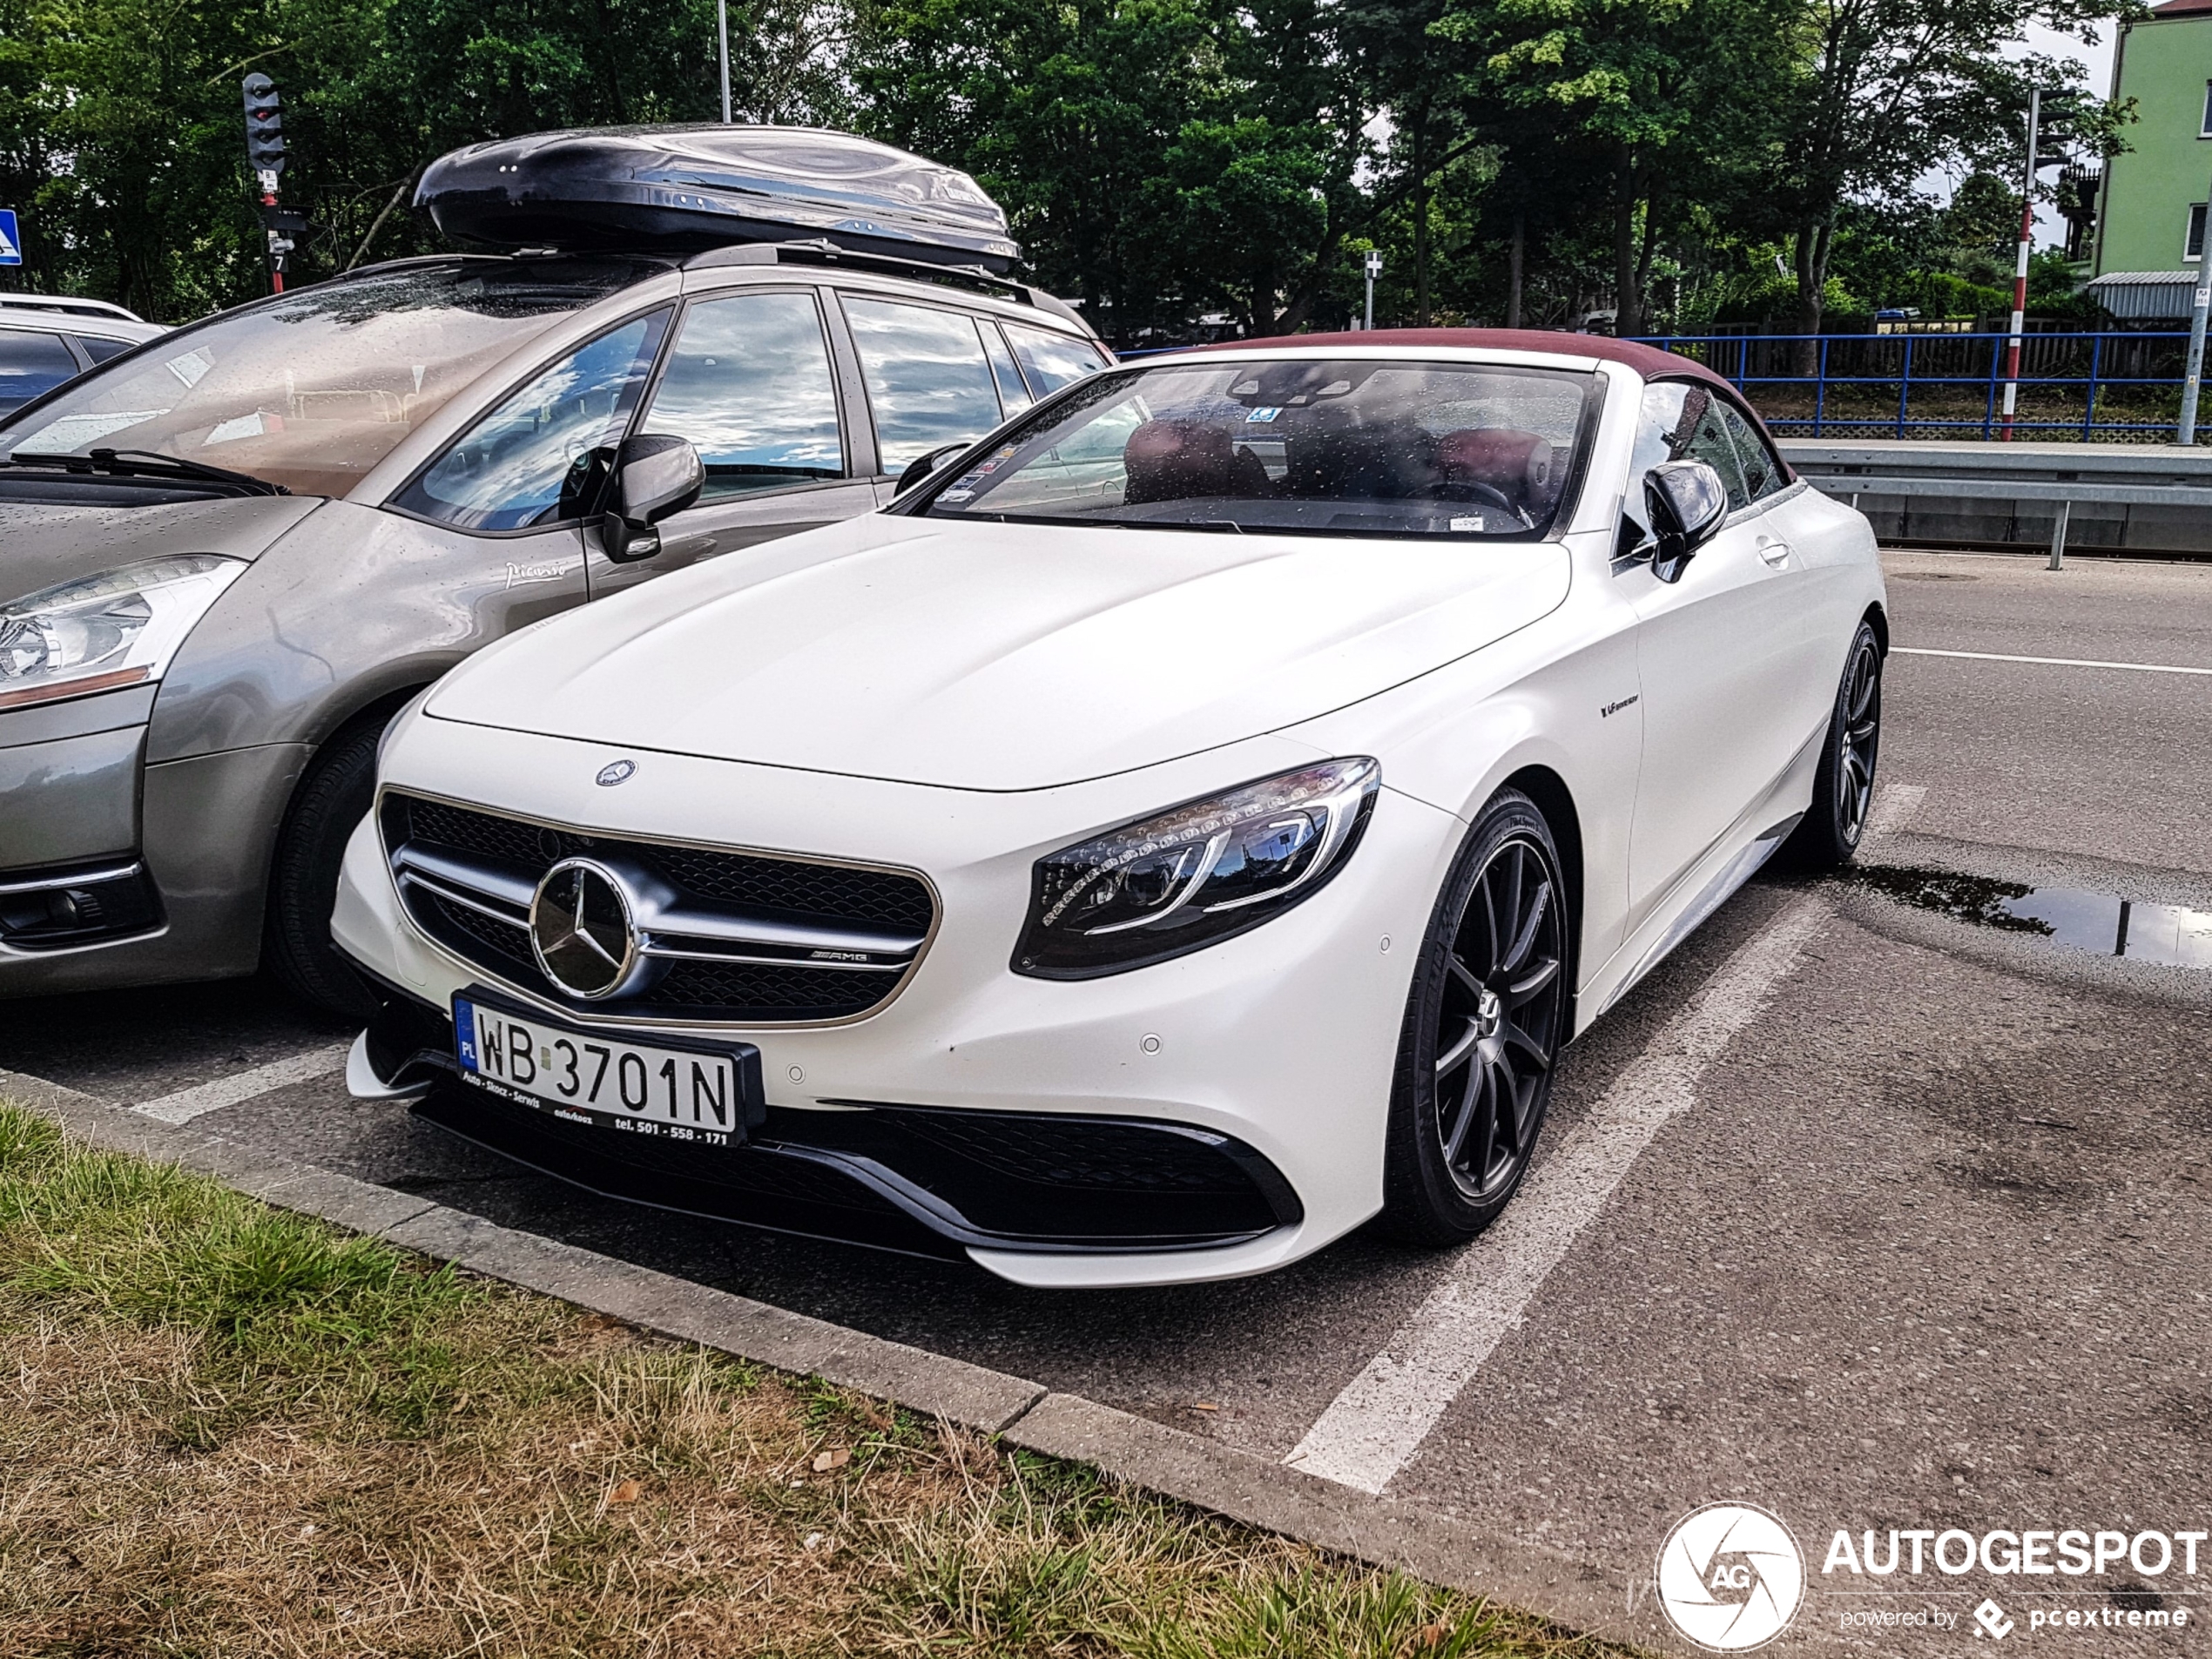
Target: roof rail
825,252
69,305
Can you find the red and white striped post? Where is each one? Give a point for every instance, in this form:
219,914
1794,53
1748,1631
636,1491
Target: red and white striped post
2019,268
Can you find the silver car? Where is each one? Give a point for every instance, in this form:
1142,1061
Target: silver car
228,557
47,338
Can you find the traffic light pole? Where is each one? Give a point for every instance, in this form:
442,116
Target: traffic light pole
2020,267
265,154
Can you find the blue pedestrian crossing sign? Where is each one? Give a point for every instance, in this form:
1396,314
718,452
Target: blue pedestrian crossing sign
10,240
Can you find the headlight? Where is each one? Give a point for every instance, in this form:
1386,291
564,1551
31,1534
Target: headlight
118,628
1196,873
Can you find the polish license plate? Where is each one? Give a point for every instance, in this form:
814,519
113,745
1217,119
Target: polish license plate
706,1092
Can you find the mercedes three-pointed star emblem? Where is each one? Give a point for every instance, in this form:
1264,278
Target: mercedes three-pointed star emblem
582,929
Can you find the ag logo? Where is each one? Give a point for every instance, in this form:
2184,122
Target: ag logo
1730,1577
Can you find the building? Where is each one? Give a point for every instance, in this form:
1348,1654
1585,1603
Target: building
2150,220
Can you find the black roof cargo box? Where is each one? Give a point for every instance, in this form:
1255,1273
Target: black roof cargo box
690,187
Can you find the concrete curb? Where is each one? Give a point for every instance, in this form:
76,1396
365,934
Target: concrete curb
1240,1485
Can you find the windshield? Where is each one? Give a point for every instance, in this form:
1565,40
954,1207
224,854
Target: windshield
1332,446
312,388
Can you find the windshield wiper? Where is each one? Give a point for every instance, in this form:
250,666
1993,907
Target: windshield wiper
145,463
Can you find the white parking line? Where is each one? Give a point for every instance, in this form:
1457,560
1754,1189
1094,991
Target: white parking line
1372,1430
2051,661
188,1103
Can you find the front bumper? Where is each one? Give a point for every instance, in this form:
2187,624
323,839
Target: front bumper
1277,1048
76,800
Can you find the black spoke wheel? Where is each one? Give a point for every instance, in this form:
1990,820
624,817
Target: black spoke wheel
1843,794
1484,1022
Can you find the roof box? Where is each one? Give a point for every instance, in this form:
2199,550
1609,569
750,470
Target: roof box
691,187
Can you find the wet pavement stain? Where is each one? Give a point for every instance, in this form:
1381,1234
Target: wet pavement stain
2103,923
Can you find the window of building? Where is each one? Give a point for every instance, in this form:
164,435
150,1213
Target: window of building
2204,128
2196,246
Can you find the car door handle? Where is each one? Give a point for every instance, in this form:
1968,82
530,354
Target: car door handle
1773,551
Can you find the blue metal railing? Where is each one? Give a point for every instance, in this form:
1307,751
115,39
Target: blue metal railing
1862,385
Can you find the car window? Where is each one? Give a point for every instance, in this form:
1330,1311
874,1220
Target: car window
522,464
1681,420
1013,393
312,388
1762,473
31,363
928,382
100,347
1321,446
1052,361
748,382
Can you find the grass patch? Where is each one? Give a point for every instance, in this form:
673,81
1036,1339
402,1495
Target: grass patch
229,1430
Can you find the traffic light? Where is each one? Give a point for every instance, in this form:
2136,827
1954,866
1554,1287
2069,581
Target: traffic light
264,126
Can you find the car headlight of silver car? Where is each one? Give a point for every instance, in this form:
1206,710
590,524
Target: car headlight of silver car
99,632
1195,875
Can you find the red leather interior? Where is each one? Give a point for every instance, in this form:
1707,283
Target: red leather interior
1178,459
1519,465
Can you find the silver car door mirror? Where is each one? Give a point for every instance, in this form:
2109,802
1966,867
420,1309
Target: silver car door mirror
1686,501
655,474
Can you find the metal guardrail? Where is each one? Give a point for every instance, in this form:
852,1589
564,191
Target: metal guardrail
2155,500
1865,385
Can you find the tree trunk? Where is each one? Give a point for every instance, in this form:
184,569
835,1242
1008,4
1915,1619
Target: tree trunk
1421,218
1643,259
1514,259
1625,308
1814,240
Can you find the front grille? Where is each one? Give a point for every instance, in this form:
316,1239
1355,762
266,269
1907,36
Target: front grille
786,886
466,876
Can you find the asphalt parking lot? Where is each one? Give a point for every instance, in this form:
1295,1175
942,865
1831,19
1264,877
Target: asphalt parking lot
1853,1210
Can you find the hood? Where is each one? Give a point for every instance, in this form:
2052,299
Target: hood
1001,657
41,544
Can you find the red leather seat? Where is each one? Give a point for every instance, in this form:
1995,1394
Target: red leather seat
1182,460
1520,466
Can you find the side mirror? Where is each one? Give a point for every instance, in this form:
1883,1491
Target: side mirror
921,466
1686,501
654,475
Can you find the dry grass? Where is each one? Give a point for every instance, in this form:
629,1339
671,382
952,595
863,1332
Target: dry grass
226,1430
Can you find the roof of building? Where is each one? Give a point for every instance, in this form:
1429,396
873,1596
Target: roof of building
2138,296
2181,8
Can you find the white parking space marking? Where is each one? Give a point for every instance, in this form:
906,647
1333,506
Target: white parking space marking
188,1103
1894,806
2049,662
1372,1430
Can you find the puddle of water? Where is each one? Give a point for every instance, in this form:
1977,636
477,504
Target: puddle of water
2100,922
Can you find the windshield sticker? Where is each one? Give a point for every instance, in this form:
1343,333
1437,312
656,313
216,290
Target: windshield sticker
243,426
1261,416
189,366
1467,525
958,494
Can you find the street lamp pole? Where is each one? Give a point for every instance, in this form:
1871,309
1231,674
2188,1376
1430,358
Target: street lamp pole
2020,267
1375,270
722,30
2193,382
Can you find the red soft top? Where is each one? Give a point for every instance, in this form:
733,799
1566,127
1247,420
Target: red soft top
1648,360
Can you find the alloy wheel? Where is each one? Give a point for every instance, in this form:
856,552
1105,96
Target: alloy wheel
1498,1020
1862,733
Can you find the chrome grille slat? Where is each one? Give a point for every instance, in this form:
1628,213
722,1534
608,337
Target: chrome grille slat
719,961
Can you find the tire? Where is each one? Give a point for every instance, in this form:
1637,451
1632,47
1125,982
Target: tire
1843,792
303,877
1483,1025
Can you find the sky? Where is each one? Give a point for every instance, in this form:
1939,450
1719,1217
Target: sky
2050,229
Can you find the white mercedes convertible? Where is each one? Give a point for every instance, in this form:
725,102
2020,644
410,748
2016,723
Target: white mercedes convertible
1176,830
